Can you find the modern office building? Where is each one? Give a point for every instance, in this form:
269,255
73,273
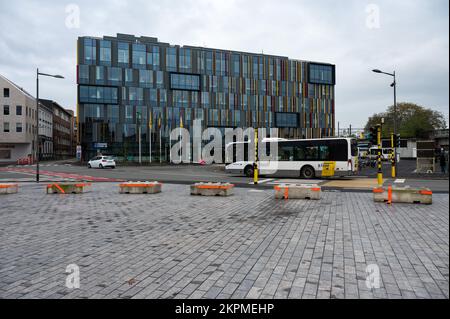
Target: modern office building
17,122
125,82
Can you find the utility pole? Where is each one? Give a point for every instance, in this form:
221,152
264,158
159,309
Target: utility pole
255,165
138,115
380,172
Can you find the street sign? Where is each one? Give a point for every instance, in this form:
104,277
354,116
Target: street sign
100,145
78,152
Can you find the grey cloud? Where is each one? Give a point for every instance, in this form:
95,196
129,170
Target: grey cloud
413,40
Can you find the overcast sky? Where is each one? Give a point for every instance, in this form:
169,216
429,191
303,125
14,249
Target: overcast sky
409,36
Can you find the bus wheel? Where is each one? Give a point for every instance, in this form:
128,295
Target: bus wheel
248,171
307,172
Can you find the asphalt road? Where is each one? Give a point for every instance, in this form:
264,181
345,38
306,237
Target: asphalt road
186,174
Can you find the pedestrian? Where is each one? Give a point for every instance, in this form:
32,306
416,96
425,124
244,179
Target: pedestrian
443,161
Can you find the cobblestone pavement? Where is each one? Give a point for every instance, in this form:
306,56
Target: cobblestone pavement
173,245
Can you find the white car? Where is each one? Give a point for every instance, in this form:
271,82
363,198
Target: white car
102,162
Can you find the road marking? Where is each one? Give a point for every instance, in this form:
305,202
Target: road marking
399,181
262,181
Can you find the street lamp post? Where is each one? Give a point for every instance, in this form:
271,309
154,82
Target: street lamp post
38,151
394,85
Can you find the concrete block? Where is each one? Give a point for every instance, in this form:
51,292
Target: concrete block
212,189
8,188
140,188
68,188
298,191
403,195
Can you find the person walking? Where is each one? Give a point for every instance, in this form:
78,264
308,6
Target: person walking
443,161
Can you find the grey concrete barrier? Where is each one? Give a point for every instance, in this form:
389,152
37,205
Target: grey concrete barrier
298,191
403,195
68,188
8,188
212,189
140,188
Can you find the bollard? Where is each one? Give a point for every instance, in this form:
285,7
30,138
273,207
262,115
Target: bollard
140,188
68,188
212,189
8,188
296,191
403,195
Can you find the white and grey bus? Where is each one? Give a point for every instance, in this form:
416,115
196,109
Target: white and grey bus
304,158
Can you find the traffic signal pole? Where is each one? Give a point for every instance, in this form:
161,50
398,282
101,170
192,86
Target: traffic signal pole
380,173
393,156
255,164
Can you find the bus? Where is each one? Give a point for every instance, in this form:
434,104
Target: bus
386,153
231,149
306,158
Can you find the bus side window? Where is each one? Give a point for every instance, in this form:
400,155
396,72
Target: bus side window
324,153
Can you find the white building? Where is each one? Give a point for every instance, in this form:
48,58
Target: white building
45,132
17,122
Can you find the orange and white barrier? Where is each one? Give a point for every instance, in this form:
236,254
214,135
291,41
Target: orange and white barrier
403,195
9,188
140,188
296,191
212,189
68,188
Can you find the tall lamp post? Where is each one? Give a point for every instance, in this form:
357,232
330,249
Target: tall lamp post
38,151
394,85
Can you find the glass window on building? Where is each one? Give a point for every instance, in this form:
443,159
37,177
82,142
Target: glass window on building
209,62
145,78
115,76
245,64
83,74
205,99
139,56
99,75
155,57
159,79
113,113
18,109
185,60
261,67
321,74
171,59
5,109
128,76
123,54
185,82
90,51
105,52
18,127
235,65
129,110
6,127
220,64
286,119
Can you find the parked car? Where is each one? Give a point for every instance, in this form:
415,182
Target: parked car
102,162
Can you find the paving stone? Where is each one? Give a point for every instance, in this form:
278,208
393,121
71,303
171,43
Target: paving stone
247,246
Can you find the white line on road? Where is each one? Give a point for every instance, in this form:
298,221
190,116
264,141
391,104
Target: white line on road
262,181
400,181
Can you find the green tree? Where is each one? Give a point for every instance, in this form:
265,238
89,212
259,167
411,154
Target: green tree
412,120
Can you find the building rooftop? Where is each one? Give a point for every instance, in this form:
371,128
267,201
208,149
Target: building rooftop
152,40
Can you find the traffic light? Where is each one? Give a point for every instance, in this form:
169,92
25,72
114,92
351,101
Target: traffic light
373,135
397,140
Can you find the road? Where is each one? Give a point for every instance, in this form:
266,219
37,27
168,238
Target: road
186,174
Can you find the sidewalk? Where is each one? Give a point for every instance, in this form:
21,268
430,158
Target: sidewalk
173,245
